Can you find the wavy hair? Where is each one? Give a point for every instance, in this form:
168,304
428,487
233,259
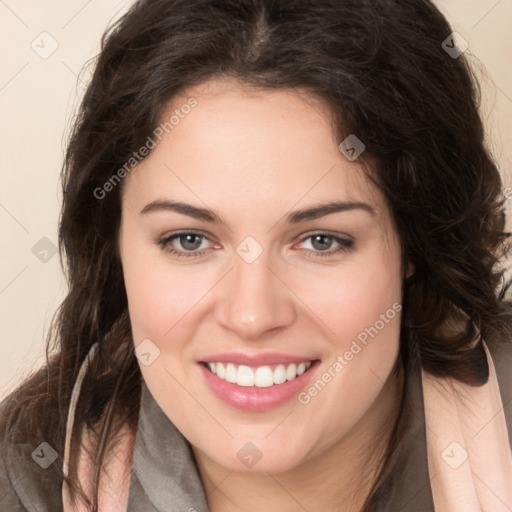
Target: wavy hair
380,67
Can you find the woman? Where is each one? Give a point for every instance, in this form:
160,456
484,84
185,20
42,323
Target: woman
282,232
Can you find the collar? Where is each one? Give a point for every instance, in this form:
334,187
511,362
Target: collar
164,466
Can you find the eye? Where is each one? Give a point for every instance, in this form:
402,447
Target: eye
321,242
190,241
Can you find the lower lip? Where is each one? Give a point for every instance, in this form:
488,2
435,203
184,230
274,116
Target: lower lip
256,399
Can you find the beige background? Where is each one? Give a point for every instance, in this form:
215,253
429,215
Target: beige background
37,99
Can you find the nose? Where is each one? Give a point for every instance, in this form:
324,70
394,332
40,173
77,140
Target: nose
254,300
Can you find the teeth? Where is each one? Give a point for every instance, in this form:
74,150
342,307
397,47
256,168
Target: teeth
261,377
280,374
245,376
264,377
231,374
291,372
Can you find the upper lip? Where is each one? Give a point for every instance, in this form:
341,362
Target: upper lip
255,360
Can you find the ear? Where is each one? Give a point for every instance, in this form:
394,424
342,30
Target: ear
409,270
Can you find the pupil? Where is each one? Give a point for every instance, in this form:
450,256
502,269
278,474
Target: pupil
187,241
324,238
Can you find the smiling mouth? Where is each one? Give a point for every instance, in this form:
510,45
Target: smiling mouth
261,376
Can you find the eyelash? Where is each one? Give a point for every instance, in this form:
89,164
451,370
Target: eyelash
345,245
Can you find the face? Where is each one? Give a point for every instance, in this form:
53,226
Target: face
229,260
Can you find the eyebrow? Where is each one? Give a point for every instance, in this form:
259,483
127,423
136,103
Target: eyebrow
295,217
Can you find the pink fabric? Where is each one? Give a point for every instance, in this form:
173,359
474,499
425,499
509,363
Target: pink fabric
469,454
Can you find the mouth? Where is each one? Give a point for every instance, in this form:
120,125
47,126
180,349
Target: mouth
260,376
257,388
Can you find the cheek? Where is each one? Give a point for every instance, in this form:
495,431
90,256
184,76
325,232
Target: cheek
159,294
363,350
361,307
353,298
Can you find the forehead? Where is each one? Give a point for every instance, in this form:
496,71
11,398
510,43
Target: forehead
249,146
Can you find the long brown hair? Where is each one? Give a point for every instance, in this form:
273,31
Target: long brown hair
381,68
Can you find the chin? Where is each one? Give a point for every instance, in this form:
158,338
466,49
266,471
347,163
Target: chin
256,457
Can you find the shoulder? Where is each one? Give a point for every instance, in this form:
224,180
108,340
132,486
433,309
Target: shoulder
29,454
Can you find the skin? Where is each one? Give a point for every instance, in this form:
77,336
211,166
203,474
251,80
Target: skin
253,169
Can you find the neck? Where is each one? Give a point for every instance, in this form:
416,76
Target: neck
340,478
